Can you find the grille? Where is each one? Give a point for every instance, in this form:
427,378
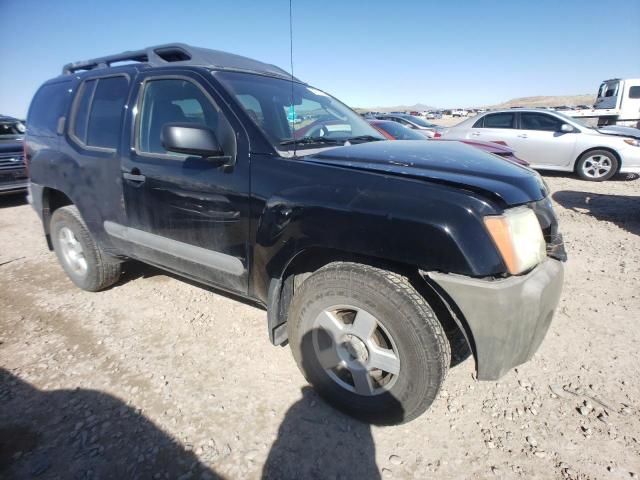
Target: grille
8,161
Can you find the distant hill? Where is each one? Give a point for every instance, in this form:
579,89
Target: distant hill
553,101
548,101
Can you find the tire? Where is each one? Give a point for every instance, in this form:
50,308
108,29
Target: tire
406,328
82,259
597,165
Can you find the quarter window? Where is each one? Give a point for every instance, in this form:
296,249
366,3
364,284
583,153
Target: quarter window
48,105
499,120
634,92
98,114
172,101
539,121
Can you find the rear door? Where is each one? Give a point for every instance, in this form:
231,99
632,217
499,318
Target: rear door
184,212
495,127
541,142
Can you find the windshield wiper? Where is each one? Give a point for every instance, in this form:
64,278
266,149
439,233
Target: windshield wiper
308,140
367,138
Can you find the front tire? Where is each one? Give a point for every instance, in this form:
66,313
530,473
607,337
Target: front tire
82,259
368,342
597,165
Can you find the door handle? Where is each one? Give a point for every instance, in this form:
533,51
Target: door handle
134,175
475,134
524,135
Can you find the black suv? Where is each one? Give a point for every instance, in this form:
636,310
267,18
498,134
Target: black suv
372,258
13,174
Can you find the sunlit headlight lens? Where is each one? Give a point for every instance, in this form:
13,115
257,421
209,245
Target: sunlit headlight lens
632,141
518,236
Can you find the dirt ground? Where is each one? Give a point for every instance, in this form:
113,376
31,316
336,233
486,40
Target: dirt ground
160,378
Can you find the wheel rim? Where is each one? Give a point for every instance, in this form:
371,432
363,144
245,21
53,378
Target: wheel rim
72,251
597,166
356,350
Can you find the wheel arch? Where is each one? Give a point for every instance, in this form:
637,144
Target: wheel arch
52,199
305,262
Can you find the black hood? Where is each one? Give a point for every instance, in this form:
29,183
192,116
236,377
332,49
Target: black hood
452,163
10,144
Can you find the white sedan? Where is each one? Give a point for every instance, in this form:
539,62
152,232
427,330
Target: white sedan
550,140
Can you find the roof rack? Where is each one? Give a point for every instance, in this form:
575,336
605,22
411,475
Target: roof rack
178,53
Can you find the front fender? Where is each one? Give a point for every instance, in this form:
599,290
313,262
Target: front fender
301,206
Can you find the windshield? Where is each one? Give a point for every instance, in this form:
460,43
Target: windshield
419,121
399,132
11,128
579,121
314,119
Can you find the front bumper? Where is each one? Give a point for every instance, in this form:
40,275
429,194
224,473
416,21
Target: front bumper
507,319
14,187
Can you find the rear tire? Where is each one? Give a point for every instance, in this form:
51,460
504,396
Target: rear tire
327,318
597,165
82,259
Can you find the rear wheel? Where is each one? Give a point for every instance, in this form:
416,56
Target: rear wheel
81,258
597,165
368,342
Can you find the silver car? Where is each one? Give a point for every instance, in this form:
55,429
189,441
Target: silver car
550,140
427,129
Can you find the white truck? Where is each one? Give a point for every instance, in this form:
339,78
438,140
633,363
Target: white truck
618,103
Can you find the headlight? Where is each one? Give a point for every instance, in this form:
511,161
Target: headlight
632,141
518,236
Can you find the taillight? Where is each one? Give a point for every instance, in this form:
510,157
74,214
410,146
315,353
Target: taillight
437,135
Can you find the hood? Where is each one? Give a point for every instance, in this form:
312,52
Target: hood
620,131
11,144
451,163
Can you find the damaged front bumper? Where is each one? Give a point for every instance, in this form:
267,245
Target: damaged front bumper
505,320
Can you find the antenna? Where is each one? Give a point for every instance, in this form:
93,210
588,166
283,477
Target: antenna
293,108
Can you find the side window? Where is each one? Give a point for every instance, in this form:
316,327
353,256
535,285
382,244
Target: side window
539,121
634,92
48,105
172,101
499,120
98,112
81,113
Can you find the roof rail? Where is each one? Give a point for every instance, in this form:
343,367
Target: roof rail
178,53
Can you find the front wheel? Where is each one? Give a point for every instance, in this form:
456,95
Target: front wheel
597,165
368,342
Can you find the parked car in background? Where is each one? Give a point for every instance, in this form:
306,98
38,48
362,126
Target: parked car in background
367,255
395,131
13,173
550,140
459,113
427,129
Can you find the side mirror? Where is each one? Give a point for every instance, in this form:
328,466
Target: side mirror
190,139
566,128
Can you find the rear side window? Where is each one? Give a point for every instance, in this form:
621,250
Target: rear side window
634,92
539,121
498,120
98,113
48,105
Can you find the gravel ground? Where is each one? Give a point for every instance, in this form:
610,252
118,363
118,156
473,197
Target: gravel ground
160,378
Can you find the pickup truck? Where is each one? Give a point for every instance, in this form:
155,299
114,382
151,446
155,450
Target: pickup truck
373,259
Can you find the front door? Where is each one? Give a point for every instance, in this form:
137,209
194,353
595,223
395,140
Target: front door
185,213
541,142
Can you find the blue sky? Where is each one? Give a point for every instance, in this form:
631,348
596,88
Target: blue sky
446,53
